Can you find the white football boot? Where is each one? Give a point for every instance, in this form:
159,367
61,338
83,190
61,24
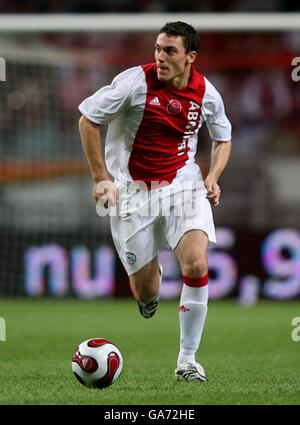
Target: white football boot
190,372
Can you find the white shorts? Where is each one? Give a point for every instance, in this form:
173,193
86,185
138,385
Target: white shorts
149,222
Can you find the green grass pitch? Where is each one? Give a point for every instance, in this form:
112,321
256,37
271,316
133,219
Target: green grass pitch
248,353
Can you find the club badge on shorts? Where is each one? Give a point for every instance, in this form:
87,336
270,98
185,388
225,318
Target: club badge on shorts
174,107
131,257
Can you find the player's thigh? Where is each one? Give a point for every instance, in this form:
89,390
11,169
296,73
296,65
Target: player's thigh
192,250
134,241
198,217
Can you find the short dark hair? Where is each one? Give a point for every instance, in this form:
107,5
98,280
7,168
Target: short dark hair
187,32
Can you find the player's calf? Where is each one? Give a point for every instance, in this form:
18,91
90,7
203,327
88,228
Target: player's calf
148,309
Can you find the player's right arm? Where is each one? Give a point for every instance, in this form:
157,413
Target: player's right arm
104,188
99,110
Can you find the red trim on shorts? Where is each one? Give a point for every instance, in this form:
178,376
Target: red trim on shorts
196,281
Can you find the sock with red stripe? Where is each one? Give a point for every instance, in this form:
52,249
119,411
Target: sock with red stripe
192,315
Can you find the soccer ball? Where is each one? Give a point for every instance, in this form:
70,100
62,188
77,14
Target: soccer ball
97,363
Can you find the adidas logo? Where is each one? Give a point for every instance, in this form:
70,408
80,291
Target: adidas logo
184,308
155,101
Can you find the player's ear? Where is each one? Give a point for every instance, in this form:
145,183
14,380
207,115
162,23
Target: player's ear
192,56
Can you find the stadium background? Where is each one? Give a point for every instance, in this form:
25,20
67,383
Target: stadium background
52,241
60,280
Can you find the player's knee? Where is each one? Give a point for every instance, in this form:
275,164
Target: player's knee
194,268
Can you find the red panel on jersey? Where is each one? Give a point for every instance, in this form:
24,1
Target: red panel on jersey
170,118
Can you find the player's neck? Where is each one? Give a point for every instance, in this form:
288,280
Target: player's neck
182,80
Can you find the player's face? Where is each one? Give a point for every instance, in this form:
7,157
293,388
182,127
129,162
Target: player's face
173,62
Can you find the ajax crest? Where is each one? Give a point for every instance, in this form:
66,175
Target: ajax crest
174,107
131,257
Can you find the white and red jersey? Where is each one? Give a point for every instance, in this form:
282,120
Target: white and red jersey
152,128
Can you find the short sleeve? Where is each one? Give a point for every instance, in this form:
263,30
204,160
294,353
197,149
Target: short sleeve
213,111
110,101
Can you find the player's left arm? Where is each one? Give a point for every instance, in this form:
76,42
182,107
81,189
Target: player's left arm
219,129
220,154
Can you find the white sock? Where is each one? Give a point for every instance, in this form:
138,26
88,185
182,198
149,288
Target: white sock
192,315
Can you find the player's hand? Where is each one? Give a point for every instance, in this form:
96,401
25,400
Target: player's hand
106,192
213,191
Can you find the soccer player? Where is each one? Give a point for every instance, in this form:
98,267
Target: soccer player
154,113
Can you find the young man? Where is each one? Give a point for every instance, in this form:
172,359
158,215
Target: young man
153,113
